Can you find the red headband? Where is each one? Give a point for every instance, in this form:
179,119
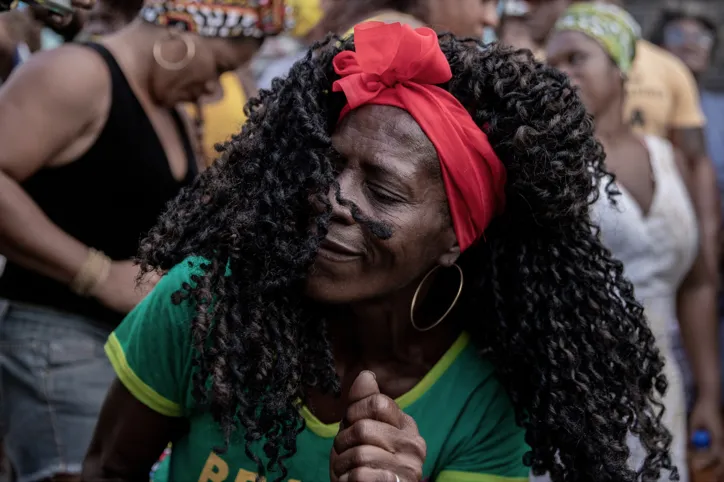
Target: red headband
398,66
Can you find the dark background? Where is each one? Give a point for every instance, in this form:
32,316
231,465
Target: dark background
647,13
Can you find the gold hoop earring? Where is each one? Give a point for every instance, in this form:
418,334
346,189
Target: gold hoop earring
179,65
417,292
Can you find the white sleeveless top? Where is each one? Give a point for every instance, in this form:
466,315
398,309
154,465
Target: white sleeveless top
659,248
657,251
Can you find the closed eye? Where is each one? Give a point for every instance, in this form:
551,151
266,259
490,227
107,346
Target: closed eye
382,194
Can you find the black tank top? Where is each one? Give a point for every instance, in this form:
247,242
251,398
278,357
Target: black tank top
108,198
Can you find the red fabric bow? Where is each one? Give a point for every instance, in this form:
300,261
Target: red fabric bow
398,66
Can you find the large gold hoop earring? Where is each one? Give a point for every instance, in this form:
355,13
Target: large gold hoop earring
417,292
179,65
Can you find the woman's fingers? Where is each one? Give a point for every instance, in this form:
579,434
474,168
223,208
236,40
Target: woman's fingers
375,407
407,466
363,456
366,474
379,434
377,440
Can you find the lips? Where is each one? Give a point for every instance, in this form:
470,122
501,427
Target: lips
337,251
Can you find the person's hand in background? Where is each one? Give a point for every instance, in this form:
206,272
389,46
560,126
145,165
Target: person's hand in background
122,289
66,25
16,27
706,416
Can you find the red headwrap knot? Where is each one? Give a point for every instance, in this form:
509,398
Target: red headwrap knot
383,61
395,65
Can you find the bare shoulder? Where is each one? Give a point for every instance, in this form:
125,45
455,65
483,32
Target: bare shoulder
65,94
70,77
665,147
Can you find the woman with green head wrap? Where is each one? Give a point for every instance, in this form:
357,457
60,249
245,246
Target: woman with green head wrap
652,227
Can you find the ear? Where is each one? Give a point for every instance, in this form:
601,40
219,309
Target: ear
449,257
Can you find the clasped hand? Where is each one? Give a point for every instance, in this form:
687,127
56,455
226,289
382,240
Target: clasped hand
377,441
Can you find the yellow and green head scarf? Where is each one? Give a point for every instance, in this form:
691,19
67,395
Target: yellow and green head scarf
221,18
609,25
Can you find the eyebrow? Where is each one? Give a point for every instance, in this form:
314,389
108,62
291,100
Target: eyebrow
378,168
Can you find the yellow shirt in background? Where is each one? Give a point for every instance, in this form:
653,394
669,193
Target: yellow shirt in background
224,117
662,93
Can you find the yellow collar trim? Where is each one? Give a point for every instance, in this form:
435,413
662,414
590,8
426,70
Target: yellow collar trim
330,430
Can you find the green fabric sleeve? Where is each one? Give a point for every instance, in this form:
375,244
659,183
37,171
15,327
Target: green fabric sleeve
151,350
488,445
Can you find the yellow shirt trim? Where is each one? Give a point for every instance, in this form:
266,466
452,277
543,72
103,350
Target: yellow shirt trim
330,430
138,388
454,476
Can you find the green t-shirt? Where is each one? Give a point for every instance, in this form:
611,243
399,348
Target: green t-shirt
461,410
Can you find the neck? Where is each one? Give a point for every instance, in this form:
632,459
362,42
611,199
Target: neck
381,330
609,123
375,328
132,47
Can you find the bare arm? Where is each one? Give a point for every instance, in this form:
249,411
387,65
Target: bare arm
697,303
697,310
45,108
128,439
705,192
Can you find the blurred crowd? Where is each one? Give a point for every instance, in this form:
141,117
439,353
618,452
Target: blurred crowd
109,110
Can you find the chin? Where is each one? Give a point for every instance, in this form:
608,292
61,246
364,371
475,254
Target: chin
338,284
326,295
328,290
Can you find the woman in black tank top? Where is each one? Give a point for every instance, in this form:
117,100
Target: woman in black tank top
92,150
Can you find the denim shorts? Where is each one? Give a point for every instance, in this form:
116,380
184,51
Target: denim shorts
54,377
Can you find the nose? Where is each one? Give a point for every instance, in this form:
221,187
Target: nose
341,212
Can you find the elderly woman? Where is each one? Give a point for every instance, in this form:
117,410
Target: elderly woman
652,228
390,275
92,151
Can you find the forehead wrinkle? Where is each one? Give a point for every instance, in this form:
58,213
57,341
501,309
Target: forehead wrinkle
404,129
408,159
396,135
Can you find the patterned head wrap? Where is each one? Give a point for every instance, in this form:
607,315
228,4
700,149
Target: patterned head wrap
221,18
609,25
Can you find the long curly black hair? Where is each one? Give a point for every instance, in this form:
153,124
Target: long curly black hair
547,303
